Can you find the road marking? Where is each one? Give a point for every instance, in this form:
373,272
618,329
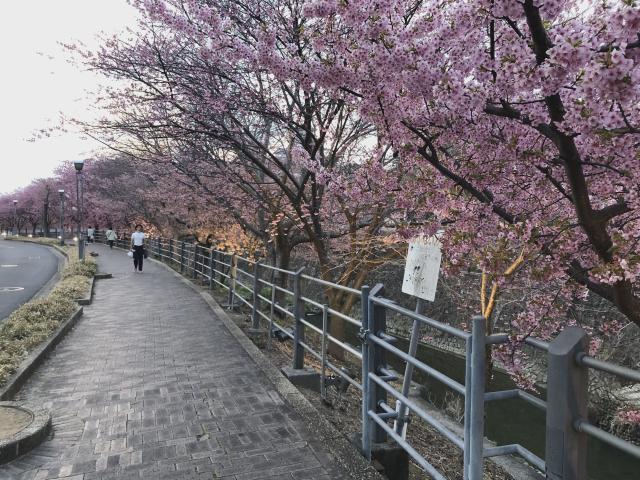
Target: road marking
8,266
11,289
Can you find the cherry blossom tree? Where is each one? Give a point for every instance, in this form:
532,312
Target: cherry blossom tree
207,94
523,117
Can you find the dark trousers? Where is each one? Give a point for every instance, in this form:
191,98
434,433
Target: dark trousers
111,243
138,256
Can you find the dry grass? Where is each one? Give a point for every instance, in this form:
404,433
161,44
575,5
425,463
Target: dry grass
35,321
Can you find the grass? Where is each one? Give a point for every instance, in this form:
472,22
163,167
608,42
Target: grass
35,321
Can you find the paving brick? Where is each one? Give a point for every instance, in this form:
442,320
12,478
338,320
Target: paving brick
150,384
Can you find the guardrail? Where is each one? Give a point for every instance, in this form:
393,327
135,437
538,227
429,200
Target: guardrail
567,427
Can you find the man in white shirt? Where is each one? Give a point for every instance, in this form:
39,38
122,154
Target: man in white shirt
137,245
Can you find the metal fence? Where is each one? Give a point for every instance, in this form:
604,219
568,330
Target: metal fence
251,283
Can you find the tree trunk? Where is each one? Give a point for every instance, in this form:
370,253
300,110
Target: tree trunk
283,262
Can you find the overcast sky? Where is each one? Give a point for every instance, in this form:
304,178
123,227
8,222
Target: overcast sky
37,83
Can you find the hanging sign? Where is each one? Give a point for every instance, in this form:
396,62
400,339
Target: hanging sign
422,268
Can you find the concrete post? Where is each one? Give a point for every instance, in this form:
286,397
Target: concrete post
298,312
255,318
181,257
476,428
566,448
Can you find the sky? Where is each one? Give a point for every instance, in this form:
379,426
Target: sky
37,82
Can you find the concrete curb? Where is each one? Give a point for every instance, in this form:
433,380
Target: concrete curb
342,450
35,358
27,438
89,299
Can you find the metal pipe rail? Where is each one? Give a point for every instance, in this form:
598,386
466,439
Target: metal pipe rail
334,340
582,425
618,370
331,285
517,449
421,318
567,395
432,372
516,393
452,437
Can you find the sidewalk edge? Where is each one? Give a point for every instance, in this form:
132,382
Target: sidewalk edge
343,451
35,358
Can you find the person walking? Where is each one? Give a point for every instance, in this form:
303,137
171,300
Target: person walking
90,233
137,245
111,236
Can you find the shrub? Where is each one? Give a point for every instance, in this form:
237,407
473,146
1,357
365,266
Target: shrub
76,267
74,286
28,326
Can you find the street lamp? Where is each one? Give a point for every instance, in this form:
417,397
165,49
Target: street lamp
15,218
78,164
61,194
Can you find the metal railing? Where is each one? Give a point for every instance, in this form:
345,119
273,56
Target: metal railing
251,283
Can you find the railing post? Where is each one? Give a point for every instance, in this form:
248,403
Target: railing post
195,261
377,360
364,331
255,318
171,252
323,346
181,257
233,272
159,248
476,427
211,267
467,408
298,312
566,448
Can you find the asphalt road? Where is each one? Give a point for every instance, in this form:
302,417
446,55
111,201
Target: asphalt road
24,269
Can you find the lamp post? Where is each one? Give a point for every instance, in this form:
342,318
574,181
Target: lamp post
61,194
78,164
15,217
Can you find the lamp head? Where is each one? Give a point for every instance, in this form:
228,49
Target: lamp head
61,192
15,201
78,164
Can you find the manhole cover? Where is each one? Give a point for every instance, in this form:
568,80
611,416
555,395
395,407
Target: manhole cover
8,266
13,420
11,289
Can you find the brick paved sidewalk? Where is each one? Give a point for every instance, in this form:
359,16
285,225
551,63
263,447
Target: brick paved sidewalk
151,384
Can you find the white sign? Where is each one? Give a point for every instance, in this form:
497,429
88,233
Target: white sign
422,268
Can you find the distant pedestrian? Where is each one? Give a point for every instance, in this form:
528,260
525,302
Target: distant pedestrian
90,234
137,245
111,236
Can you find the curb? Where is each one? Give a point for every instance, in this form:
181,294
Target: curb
27,438
89,299
342,450
36,357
